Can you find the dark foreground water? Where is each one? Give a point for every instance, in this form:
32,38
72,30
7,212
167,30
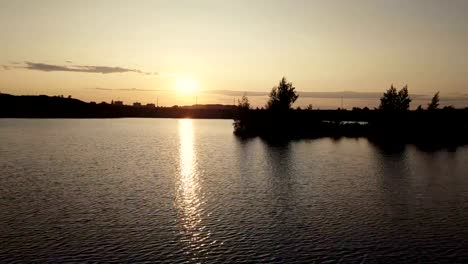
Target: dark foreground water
162,190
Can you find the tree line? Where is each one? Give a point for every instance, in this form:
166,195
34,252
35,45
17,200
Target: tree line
283,96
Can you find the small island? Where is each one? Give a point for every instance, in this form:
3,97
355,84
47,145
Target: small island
392,123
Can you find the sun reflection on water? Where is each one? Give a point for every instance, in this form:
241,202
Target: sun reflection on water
188,194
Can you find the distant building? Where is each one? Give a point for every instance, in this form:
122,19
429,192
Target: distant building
136,104
150,105
117,102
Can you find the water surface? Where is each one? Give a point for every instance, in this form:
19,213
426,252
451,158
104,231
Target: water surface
169,190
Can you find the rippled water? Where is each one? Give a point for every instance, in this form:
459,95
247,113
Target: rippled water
162,190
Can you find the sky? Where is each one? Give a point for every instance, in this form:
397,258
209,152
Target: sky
177,52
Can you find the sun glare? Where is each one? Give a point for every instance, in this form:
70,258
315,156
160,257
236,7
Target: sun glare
187,85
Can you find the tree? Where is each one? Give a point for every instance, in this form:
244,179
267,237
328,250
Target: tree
282,96
434,102
241,118
403,99
243,103
393,100
389,99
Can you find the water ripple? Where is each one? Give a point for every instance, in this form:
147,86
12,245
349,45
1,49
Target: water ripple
188,191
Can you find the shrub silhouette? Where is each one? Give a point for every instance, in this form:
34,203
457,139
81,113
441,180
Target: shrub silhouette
282,96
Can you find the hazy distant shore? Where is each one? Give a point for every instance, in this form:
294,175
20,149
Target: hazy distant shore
59,107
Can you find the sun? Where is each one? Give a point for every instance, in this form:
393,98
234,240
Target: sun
187,85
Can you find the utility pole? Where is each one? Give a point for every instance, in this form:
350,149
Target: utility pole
342,96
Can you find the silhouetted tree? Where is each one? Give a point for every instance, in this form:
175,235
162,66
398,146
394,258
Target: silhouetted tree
404,99
393,100
241,118
419,109
389,100
282,96
309,107
243,103
434,102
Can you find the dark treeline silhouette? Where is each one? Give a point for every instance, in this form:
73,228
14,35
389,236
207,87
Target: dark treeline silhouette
392,123
60,107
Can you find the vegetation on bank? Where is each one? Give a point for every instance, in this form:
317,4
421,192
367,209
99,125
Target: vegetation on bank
393,122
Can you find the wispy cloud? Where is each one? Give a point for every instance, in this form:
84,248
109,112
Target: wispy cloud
235,93
126,89
45,67
345,94
457,99
451,98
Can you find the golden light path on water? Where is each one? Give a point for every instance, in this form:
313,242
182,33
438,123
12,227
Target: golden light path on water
189,200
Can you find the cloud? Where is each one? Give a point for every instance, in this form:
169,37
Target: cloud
126,89
235,93
344,94
452,98
78,68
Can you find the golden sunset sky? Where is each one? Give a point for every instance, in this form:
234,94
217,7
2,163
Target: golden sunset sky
103,50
